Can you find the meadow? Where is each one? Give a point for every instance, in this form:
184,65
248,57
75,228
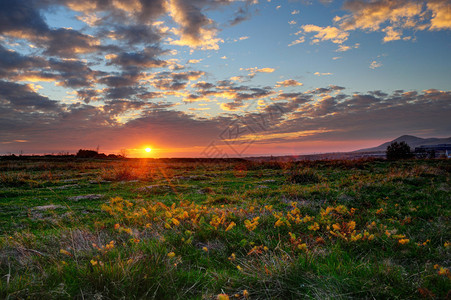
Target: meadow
156,229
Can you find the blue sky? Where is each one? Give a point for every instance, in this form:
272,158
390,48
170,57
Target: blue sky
173,75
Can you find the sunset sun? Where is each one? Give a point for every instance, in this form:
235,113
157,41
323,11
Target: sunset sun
148,150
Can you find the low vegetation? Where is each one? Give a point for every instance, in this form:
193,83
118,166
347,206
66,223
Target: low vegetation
153,229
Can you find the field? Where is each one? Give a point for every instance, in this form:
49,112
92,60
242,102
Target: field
153,229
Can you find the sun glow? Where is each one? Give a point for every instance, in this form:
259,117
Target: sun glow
148,150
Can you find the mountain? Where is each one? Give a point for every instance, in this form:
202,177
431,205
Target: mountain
411,140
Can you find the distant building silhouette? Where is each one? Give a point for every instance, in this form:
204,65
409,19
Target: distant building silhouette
433,151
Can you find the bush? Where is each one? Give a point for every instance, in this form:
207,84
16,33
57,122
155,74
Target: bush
397,151
304,177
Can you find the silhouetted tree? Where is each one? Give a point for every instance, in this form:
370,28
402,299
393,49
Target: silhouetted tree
87,153
397,151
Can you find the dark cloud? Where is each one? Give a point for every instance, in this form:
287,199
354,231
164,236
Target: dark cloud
88,95
136,34
20,17
189,15
329,89
125,92
120,79
193,98
242,14
74,73
20,96
143,59
118,107
171,81
11,61
203,85
69,43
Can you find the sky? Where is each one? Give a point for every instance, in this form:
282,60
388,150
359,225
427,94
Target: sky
221,78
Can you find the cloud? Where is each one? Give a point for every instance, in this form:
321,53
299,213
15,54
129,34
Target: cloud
322,74
375,64
441,14
142,59
12,62
69,43
20,18
22,96
253,71
288,82
241,15
329,33
343,48
196,30
135,34
387,16
391,34
319,114
371,15
175,81
392,17
194,61
298,41
295,12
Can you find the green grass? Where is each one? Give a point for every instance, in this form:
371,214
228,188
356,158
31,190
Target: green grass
151,229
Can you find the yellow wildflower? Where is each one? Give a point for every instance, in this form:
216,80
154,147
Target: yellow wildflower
279,223
443,272
171,254
231,225
245,293
223,297
302,246
94,262
65,252
398,236
251,225
341,209
403,241
351,225
314,227
336,226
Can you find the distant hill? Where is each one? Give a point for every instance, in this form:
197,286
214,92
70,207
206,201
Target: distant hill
411,140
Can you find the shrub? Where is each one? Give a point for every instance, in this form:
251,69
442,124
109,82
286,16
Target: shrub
304,177
87,153
397,151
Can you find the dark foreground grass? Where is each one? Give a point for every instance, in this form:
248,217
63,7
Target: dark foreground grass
140,229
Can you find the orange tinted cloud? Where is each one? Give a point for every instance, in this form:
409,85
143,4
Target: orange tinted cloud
196,30
329,33
441,14
288,82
